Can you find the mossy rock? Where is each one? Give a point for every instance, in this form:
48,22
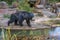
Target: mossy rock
39,14
57,21
52,22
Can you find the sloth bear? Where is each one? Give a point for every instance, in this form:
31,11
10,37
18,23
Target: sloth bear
19,17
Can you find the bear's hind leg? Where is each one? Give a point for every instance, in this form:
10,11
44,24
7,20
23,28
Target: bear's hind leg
20,23
9,22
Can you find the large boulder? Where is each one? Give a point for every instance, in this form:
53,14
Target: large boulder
3,5
58,4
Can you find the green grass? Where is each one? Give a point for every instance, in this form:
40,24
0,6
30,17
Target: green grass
55,22
25,34
6,16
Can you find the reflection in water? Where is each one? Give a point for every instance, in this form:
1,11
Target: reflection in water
55,34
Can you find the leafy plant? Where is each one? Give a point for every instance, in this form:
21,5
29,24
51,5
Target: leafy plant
23,5
6,16
22,34
52,1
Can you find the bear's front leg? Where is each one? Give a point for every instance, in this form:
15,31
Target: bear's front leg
20,23
28,23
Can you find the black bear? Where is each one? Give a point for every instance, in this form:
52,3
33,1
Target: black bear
20,17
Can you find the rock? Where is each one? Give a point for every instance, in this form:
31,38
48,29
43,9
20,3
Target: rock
48,13
58,4
40,6
3,22
3,5
1,16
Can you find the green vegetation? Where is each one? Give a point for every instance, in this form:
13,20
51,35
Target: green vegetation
10,1
23,5
40,15
52,1
29,34
55,21
52,22
6,16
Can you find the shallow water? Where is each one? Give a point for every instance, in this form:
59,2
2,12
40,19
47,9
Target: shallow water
55,33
